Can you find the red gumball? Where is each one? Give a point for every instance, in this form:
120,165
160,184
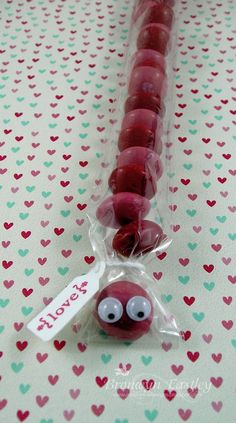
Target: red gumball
140,136
124,310
155,37
144,101
137,238
133,178
160,13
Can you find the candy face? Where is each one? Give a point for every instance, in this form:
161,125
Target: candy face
122,208
139,136
132,178
155,37
148,80
147,57
144,101
137,238
160,13
124,310
144,157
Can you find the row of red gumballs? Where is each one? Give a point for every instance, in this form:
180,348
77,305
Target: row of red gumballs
133,181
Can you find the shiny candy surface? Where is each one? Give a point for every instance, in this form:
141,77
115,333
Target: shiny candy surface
160,13
144,157
147,80
133,178
147,57
144,101
122,208
139,136
155,37
143,117
116,298
137,238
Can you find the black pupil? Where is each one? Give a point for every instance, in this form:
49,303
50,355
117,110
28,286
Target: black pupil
111,316
140,314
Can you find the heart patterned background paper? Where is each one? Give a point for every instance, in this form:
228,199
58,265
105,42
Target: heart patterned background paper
59,66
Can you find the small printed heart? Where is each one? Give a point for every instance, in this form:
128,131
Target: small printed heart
151,415
216,381
123,393
184,414
3,404
106,358
41,401
97,409
53,379
166,346
192,392
74,393
208,268
177,369
41,357
82,347
193,356
207,338
68,414
21,345
170,395
77,370
59,345
101,381
146,360
89,259
22,415
189,300
217,405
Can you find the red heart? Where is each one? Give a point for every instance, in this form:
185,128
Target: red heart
89,260
170,395
101,381
59,344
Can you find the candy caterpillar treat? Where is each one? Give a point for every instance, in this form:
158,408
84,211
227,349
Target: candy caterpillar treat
125,309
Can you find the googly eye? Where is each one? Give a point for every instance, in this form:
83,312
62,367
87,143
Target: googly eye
138,308
110,310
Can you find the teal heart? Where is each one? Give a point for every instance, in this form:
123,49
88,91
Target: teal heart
188,166
193,131
67,143
83,136
85,124
81,190
46,421
184,279
209,286
121,421
48,164
19,162
233,342
96,106
25,122
151,415
10,204
23,216
166,298
24,388
232,237
63,270
52,125
192,245
206,184
33,105
191,212
4,303
198,316
146,360
70,107
42,70
30,189
221,219
197,100
218,165
77,238
65,213
23,253
214,231
204,112
2,329
83,175
17,367
28,272
106,358
15,149
26,310
46,194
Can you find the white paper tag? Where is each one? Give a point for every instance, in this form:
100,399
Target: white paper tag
64,307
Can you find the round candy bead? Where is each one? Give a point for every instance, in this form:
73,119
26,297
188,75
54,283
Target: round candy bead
138,237
139,136
143,117
122,208
148,80
160,13
132,178
124,310
147,57
144,157
155,37
144,101
143,5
